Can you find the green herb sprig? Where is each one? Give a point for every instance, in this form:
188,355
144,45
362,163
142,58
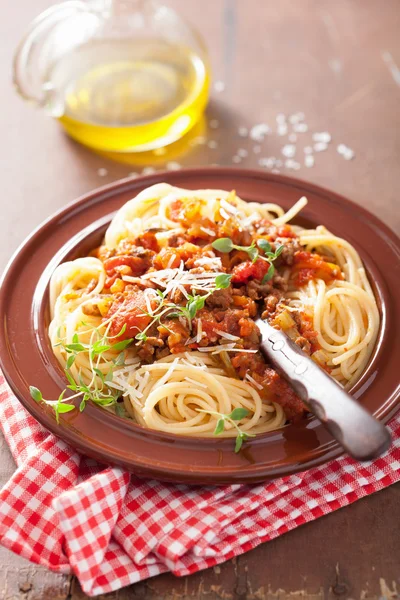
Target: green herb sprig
96,390
225,245
236,415
194,303
100,342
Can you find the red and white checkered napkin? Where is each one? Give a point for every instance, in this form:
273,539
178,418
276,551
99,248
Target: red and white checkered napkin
110,529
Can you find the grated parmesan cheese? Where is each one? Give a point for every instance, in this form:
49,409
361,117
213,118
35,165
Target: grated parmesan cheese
227,336
226,348
199,331
208,231
167,375
228,207
253,381
131,279
147,293
171,262
143,382
211,261
224,214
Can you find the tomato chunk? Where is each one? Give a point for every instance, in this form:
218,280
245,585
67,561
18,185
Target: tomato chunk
130,311
248,270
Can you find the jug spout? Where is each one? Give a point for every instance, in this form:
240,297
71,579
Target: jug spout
55,32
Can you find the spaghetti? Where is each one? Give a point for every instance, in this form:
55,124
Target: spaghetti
158,324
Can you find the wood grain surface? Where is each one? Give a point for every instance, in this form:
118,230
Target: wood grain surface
339,63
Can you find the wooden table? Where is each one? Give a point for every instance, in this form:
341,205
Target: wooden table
337,63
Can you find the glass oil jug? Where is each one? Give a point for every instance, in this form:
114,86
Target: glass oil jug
119,75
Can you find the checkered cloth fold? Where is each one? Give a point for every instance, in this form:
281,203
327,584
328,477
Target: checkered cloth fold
110,529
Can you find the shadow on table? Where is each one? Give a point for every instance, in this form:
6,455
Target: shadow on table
208,142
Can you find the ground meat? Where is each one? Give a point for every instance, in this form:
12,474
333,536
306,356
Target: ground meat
305,326
257,290
129,248
175,240
220,299
290,247
237,322
231,321
176,296
148,241
148,348
91,310
133,265
175,334
271,302
209,325
304,344
279,283
162,353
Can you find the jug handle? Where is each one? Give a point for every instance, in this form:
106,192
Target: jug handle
27,76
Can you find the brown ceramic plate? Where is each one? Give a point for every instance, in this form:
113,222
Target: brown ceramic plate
26,356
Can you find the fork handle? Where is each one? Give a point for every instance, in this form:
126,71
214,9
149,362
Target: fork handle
360,434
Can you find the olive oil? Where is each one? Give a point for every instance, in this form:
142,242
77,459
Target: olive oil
128,95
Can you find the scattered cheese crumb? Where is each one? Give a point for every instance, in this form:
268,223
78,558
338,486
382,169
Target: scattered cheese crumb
267,162
323,136
300,128
282,129
309,160
292,164
236,159
320,146
214,123
212,144
289,150
345,151
258,132
243,131
242,152
102,172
